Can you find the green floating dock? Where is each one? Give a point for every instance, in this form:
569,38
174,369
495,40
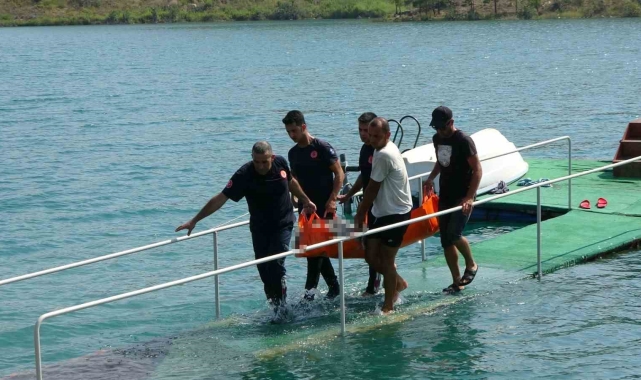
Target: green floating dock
575,236
623,194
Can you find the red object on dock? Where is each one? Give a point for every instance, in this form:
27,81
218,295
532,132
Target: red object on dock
629,147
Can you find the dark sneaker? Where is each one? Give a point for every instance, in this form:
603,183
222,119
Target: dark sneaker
281,315
369,293
309,294
333,292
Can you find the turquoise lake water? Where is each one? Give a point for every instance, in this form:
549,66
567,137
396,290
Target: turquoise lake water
111,136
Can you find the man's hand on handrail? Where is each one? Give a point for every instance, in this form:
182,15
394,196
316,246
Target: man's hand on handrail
189,226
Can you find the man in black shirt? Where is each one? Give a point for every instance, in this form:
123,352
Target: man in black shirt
265,182
365,166
460,170
316,167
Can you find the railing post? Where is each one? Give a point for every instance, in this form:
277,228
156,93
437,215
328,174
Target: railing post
538,231
36,339
420,202
342,284
216,290
569,173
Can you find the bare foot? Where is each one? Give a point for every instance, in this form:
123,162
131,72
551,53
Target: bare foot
397,299
401,285
385,311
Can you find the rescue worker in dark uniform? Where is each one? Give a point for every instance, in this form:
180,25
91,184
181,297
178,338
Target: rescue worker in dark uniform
365,159
266,183
316,167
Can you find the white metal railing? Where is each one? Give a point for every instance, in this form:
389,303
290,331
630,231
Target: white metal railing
419,177
217,229
118,254
338,241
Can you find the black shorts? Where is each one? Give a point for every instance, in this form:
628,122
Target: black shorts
451,226
391,238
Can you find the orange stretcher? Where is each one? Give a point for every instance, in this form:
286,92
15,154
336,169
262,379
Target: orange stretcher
313,230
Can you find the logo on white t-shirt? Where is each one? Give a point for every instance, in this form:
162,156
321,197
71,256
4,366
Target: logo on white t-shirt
444,155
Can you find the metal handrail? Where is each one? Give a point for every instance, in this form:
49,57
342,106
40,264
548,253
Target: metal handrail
398,127
218,229
418,135
338,241
546,142
419,177
118,254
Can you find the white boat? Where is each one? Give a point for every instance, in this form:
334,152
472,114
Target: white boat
489,142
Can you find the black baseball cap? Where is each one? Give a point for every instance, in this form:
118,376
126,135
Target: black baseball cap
440,116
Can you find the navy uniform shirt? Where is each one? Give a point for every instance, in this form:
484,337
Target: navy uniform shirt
456,174
311,168
268,199
365,163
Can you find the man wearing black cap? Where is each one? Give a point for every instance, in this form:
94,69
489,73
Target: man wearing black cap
460,170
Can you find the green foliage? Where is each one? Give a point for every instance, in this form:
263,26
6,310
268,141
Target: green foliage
526,13
453,15
287,10
85,3
435,6
627,8
536,4
472,15
51,4
592,8
67,12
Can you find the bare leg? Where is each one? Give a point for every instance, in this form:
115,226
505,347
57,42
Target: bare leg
372,246
451,256
401,284
464,247
391,279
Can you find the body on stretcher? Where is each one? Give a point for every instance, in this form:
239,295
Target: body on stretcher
313,230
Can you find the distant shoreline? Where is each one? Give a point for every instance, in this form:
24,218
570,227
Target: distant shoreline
114,12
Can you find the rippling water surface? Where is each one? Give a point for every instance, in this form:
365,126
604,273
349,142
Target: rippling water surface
111,136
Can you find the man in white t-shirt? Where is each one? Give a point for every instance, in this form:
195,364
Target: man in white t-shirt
389,192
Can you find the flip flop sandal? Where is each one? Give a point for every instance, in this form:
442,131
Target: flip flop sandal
585,204
545,180
468,276
601,203
524,182
452,289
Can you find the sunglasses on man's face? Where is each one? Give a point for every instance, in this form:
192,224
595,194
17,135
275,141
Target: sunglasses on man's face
436,128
